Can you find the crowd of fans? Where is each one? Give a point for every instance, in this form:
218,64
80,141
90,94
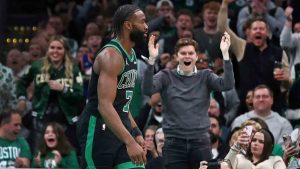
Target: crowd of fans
47,84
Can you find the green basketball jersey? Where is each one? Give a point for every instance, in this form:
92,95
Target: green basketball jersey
126,82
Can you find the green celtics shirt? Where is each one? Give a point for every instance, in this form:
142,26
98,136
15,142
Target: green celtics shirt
67,161
10,150
68,100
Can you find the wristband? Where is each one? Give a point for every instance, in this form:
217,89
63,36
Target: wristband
136,132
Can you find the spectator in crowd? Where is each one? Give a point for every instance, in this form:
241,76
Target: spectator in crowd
291,150
214,108
184,22
261,124
57,90
290,41
149,140
257,60
208,37
147,113
116,140
247,30
249,100
7,88
165,21
56,22
219,147
262,103
266,9
185,95
151,12
157,163
91,29
93,41
15,151
55,150
202,62
259,152
297,27
60,28
37,49
156,116
15,61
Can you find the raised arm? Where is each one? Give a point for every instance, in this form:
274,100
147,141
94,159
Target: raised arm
237,44
219,83
287,38
107,89
148,85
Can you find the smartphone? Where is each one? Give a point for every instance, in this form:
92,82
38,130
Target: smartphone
213,164
248,130
287,140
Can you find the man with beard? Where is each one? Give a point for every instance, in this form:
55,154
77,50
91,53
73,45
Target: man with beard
108,135
219,147
185,95
257,60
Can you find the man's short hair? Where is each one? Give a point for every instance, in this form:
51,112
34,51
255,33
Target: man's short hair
122,14
5,115
212,5
186,42
263,86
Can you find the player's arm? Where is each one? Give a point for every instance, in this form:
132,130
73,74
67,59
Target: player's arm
110,64
137,134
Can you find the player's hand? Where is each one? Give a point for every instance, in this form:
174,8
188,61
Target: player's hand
136,153
140,140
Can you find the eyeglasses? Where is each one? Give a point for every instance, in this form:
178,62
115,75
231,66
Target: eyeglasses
202,60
